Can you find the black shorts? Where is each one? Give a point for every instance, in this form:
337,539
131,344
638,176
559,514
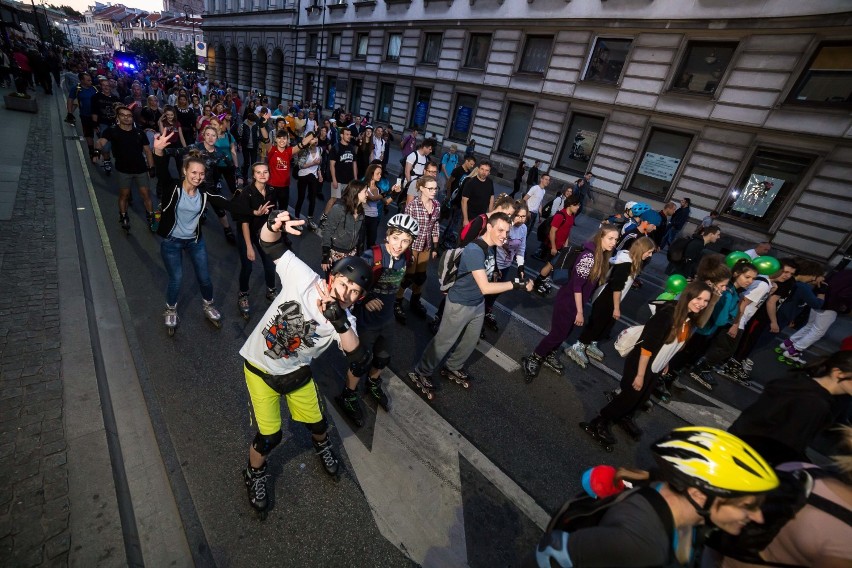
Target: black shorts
88,126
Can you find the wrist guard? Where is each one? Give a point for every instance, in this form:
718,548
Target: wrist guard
275,250
518,284
336,316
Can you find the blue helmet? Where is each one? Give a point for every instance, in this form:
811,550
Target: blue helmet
651,217
639,208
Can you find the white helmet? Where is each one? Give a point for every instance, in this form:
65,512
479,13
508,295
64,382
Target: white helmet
406,223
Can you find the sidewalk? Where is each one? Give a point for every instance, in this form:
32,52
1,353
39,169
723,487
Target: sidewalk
69,393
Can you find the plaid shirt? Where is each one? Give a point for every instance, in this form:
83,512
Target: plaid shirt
429,227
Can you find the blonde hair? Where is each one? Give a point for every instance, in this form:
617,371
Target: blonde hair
637,251
844,461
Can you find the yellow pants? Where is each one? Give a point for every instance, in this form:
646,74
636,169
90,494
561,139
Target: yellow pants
304,403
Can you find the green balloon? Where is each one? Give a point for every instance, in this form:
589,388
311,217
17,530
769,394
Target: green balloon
766,265
675,284
667,296
735,257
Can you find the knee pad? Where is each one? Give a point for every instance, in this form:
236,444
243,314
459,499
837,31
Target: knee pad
419,278
381,360
265,444
406,282
318,427
359,360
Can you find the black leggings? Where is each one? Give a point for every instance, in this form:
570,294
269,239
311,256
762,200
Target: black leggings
600,321
629,399
310,184
371,230
229,175
246,265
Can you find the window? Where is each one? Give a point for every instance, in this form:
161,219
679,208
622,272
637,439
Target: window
394,45
313,42
334,45
766,185
477,51
383,111
356,89
660,163
607,60
515,128
703,65
330,91
580,142
827,81
309,86
420,108
361,44
432,49
536,53
462,117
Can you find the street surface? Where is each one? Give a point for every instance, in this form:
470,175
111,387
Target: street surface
469,479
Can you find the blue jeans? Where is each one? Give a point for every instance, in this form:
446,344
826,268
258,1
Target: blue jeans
669,237
171,250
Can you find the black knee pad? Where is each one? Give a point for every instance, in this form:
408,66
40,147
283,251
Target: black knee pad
318,427
265,444
406,282
419,278
381,360
359,360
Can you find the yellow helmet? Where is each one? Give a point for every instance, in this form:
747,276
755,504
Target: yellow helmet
714,461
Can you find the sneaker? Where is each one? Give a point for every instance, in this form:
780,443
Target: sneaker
325,452
255,480
271,293
577,353
374,387
593,351
399,312
350,403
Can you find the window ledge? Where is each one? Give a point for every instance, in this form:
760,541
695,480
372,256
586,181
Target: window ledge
364,3
692,94
530,74
428,64
601,83
398,1
816,106
335,7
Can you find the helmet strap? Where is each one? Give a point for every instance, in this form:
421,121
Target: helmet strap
704,511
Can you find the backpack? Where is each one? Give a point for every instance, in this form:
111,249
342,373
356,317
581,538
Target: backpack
376,265
628,339
466,228
548,208
543,231
586,512
678,248
448,265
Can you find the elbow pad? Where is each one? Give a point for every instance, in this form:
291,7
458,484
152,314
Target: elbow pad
275,250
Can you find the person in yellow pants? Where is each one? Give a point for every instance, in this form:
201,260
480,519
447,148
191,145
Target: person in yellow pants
305,318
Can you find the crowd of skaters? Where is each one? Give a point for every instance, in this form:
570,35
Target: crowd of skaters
379,235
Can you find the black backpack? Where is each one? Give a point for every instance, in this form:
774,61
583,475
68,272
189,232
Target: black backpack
677,248
585,512
543,231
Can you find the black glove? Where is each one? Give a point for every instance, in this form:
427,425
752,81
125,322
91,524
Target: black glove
336,316
326,255
522,274
518,284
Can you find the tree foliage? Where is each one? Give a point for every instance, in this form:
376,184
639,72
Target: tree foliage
167,52
188,61
149,50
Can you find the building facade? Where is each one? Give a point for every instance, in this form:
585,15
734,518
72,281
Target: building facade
744,109
180,30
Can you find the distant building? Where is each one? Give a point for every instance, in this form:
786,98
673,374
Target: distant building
180,30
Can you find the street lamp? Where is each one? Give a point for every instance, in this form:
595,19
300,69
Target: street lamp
186,8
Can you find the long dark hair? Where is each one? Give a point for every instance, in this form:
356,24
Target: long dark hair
368,175
681,312
839,360
350,197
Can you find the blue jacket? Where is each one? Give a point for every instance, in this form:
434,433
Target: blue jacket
723,314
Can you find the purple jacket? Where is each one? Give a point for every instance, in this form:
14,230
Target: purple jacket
579,281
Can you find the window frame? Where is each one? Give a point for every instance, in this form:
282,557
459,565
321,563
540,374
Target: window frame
684,52
637,162
356,54
339,37
591,53
519,68
790,98
387,56
745,170
426,35
412,107
311,50
469,43
503,119
557,166
350,95
450,129
378,114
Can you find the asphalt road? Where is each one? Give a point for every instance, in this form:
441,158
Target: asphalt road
527,433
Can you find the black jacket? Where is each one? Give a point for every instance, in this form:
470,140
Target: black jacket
167,219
